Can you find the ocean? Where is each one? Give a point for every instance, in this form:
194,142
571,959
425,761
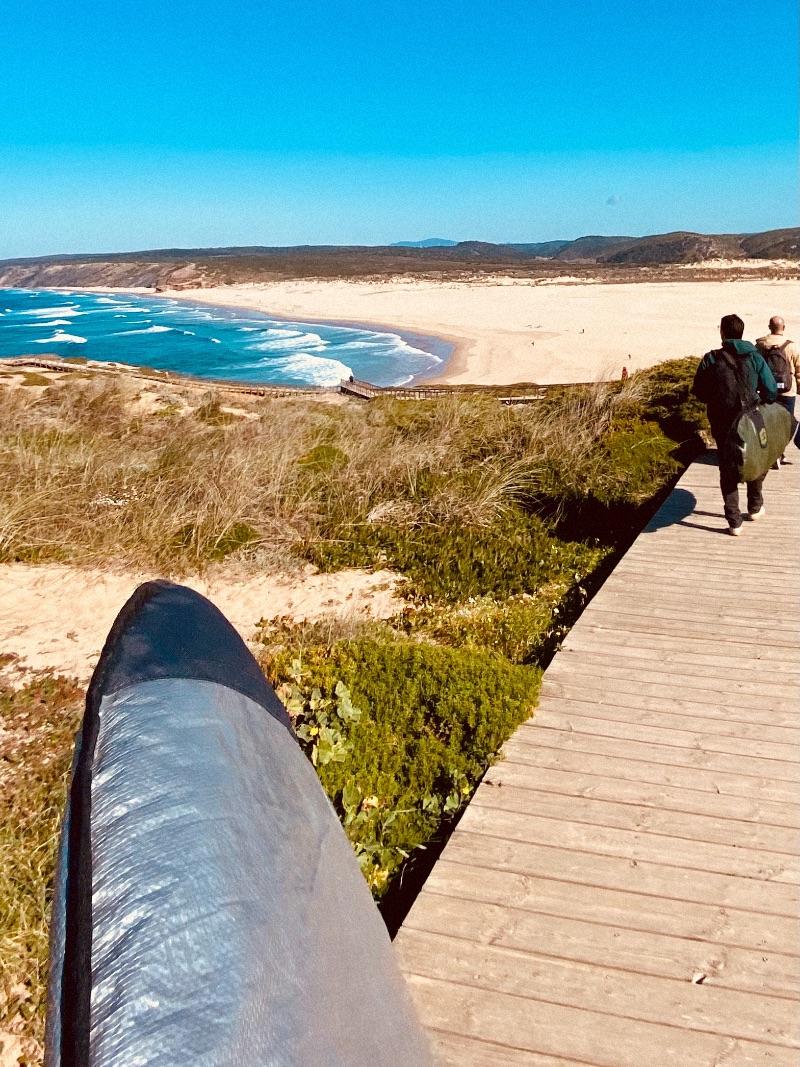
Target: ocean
208,342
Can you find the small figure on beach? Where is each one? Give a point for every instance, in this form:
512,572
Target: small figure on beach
717,384
783,358
624,374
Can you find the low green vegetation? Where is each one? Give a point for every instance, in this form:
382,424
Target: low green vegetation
501,519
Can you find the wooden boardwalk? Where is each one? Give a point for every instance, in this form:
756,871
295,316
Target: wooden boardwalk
623,889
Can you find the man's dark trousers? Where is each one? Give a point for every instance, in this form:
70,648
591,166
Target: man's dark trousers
729,484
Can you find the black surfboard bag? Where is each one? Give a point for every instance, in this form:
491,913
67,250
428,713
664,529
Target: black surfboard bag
760,433
208,909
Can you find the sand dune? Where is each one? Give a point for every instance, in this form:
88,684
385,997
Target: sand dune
55,617
509,330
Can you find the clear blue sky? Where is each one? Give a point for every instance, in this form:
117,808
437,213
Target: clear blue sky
128,125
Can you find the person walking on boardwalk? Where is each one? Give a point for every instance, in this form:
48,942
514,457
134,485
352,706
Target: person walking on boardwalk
716,384
782,356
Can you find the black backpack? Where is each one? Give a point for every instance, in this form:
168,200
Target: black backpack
775,358
734,393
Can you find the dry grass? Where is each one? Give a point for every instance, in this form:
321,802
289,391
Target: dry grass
85,476
37,725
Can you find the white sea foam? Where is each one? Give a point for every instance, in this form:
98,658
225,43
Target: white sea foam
47,313
61,338
41,325
315,370
149,329
216,340
286,340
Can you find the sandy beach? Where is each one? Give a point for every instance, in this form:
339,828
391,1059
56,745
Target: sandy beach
510,330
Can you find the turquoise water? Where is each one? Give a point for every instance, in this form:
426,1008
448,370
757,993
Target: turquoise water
208,342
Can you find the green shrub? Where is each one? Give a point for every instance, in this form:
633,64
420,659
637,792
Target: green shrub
427,722
517,554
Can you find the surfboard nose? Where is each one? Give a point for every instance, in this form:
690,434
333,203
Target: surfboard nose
208,906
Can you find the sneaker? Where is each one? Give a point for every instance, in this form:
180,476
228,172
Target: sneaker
751,516
775,466
735,531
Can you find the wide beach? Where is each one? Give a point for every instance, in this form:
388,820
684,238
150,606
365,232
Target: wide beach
510,330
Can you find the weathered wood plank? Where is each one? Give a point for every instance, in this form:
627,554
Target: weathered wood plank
525,969
580,1034
768,722
625,874
627,769
579,783
600,684
709,741
649,752
594,811
457,875
632,845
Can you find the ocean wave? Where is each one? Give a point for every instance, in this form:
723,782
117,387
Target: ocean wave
48,313
60,338
149,329
280,341
315,370
41,325
216,340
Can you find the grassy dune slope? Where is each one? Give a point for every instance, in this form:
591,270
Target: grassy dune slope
500,519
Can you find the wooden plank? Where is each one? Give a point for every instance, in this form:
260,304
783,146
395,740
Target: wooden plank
628,697
600,684
624,874
750,767
691,677
578,783
453,1050
594,811
632,845
707,740
579,1033
698,718
628,769
458,877
635,649
667,623
525,969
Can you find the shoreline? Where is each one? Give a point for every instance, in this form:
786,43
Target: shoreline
442,348
509,331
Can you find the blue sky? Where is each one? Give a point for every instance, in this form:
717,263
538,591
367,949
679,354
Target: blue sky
295,121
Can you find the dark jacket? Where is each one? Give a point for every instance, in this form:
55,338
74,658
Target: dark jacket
715,384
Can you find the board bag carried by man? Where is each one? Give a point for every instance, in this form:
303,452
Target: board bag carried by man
750,429
783,358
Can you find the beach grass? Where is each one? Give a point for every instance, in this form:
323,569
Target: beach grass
501,520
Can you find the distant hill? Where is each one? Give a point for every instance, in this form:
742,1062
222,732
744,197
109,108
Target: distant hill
430,242
183,268
545,249
774,244
593,248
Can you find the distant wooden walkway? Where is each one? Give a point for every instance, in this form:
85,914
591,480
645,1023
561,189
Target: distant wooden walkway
623,888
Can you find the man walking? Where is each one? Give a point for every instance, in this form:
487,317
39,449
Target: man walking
783,358
716,383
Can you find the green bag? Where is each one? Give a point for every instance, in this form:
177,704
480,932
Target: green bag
758,437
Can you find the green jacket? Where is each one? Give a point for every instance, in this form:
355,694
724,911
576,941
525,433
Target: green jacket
715,383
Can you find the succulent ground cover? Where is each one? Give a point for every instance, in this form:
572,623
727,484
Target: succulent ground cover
502,520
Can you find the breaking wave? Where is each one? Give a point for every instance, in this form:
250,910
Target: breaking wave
61,338
209,342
